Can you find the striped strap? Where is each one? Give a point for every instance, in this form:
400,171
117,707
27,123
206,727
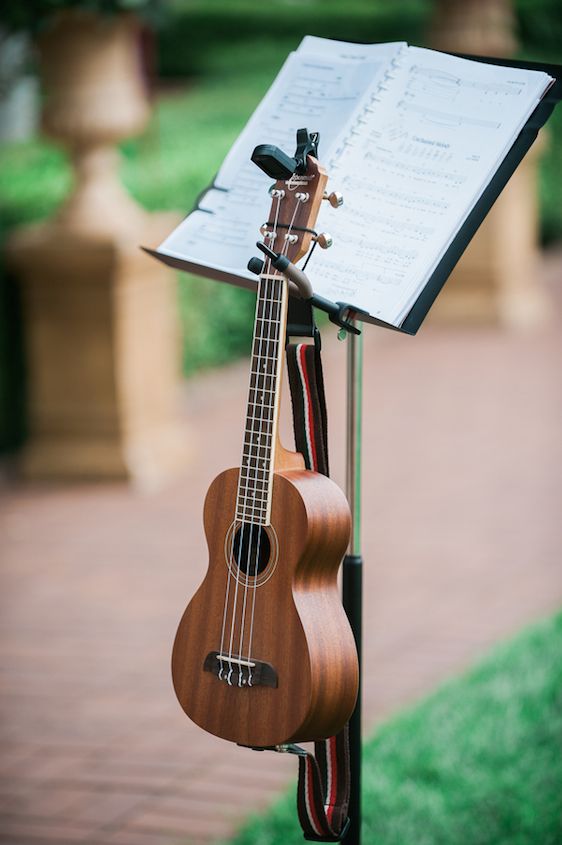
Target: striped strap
324,777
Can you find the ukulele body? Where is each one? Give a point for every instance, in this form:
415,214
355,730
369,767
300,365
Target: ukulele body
299,679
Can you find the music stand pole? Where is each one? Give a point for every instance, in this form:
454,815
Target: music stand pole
353,563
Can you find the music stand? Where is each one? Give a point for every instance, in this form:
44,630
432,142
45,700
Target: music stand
352,319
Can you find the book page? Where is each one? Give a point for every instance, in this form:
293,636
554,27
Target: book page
319,88
426,145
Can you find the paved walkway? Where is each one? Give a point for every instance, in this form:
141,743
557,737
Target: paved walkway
462,531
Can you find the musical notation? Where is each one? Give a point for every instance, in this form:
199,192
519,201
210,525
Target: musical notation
411,137
441,85
411,169
442,118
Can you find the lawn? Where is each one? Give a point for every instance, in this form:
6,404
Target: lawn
477,763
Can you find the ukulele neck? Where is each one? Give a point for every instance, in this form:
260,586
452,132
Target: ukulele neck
253,503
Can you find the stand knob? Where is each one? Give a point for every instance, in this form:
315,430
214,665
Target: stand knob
324,240
335,199
255,265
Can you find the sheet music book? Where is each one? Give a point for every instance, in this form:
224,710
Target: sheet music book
411,137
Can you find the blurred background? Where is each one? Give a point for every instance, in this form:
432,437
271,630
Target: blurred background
122,390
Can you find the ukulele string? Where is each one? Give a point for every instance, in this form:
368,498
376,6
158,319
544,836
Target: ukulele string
275,320
267,299
280,304
254,546
231,562
225,612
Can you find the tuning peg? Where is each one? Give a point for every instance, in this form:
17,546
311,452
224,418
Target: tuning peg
335,198
324,240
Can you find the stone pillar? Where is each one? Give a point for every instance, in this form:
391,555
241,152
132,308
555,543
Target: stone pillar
496,280
100,316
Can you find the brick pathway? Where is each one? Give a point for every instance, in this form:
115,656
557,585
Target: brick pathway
462,542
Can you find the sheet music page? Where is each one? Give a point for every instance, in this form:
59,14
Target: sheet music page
425,146
319,87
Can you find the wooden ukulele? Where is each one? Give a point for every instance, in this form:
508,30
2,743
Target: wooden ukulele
264,654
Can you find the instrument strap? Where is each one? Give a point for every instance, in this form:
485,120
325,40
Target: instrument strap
324,776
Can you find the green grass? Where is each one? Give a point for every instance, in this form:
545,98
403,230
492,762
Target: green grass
477,763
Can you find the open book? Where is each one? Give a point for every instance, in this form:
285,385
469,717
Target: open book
411,138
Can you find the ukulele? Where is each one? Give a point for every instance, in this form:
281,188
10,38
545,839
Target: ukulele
264,654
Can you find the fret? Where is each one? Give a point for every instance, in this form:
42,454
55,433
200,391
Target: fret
259,419
254,519
262,375
262,367
255,393
258,433
267,358
248,504
254,477
262,384
255,451
269,315
254,468
255,386
261,390
253,493
273,305
259,412
246,512
254,396
268,295
269,320
266,349
257,478
252,503
258,499
253,434
260,406
251,464
250,467
251,439
255,446
252,487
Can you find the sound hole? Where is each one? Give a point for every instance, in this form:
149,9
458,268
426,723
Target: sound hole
252,549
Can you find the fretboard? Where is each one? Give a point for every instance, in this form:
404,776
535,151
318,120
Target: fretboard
258,452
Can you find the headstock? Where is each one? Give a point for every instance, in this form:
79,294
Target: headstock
295,203
296,195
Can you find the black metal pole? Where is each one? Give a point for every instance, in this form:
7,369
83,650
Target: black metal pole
352,601
353,565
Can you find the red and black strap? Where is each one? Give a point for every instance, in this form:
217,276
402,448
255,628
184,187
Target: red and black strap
304,366
324,777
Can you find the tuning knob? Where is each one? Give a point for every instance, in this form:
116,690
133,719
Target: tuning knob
335,199
324,240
